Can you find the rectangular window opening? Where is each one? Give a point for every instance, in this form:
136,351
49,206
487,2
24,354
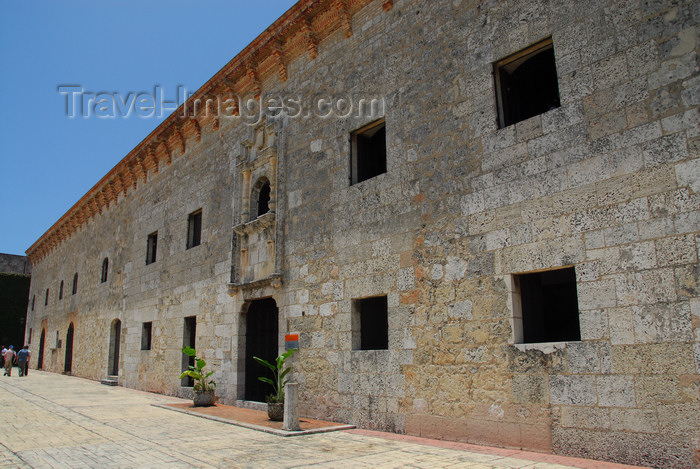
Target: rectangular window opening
526,83
368,152
194,229
146,332
188,340
152,248
545,307
370,324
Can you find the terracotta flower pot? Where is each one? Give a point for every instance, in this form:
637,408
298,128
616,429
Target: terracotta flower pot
203,398
275,411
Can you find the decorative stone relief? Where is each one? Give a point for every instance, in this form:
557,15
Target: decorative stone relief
255,260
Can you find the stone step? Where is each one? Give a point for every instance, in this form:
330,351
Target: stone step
110,381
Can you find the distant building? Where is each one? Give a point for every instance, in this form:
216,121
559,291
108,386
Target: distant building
481,219
14,294
13,264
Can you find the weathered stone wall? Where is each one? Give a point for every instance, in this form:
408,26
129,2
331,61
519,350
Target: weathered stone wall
13,264
606,183
182,282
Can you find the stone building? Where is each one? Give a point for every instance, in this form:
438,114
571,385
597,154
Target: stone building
481,219
14,264
14,290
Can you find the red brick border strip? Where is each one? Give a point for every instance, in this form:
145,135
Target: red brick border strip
506,453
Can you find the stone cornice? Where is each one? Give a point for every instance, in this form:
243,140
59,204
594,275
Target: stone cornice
297,32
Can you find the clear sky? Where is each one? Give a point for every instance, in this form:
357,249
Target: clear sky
49,161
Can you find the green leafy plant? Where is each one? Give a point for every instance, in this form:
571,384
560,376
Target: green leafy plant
196,372
279,372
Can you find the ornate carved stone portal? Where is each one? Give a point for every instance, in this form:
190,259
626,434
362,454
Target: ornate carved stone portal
255,238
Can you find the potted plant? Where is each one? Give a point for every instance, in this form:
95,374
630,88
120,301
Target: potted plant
203,387
275,401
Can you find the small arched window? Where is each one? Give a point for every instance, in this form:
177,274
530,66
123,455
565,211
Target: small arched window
75,283
260,198
264,199
105,269
60,291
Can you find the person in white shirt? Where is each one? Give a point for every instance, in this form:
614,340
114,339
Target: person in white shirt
9,357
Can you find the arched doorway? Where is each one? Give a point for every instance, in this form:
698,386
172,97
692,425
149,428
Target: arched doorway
68,367
114,340
42,340
260,341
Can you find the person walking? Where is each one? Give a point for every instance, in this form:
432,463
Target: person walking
23,357
9,357
2,356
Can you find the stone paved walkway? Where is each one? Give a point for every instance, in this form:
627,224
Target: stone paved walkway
54,421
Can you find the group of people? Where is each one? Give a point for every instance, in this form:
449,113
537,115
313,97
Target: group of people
21,359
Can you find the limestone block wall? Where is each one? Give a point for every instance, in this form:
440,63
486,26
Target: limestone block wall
181,283
606,184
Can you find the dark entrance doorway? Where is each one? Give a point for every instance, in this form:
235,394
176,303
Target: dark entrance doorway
189,338
260,341
114,339
68,367
42,340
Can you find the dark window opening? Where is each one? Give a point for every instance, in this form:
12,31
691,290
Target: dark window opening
29,339
260,198
75,283
60,291
264,199
33,300
152,248
46,300
146,331
368,152
526,84
105,269
370,324
194,229
549,306
188,340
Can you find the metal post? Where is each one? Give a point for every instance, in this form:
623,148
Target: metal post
291,407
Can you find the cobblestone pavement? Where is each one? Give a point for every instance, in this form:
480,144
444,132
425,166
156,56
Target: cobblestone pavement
55,421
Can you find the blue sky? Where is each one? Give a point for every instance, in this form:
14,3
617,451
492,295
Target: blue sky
49,161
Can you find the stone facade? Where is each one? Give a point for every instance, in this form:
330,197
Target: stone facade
13,264
606,183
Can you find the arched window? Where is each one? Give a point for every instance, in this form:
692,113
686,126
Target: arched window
105,269
75,283
60,291
260,198
264,199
